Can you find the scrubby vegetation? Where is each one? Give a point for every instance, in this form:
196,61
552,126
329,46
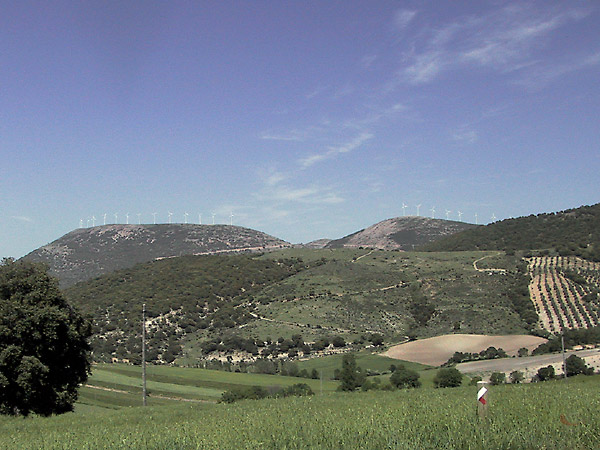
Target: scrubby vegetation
182,296
258,392
297,303
570,232
489,353
582,336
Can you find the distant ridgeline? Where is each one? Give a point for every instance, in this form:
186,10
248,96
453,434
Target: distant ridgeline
90,252
402,233
571,232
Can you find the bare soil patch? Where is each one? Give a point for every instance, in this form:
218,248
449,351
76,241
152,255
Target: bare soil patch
437,350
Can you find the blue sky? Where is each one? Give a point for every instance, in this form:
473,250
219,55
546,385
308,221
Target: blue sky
305,119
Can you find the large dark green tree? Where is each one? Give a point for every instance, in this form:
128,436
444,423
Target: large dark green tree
351,376
576,365
447,377
44,353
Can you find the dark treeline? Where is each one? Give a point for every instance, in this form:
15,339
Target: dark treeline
580,336
570,232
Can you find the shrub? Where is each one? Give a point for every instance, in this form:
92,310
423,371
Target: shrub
474,380
497,378
242,393
338,341
447,377
516,377
544,374
576,365
404,378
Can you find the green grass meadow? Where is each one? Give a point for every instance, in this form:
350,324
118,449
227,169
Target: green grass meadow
520,417
118,385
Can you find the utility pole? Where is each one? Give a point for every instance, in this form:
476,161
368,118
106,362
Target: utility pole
562,341
321,381
144,354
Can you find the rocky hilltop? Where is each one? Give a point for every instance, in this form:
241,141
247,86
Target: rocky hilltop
403,233
90,252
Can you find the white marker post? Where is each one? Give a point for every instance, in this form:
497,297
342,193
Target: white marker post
482,399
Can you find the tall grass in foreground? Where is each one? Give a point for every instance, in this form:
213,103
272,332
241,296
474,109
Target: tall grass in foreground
520,417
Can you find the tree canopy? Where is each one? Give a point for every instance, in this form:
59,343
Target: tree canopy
43,343
447,377
404,378
351,376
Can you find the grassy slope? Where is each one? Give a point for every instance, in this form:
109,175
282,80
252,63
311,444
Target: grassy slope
122,385
520,417
344,297
116,386
364,359
348,292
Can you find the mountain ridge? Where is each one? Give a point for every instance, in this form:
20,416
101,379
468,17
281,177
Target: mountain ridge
87,253
401,233
570,232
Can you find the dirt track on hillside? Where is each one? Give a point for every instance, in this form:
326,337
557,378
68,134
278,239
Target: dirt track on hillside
437,350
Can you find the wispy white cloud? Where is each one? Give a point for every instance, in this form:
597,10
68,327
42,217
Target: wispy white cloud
333,151
293,135
403,17
22,219
540,74
465,135
275,178
505,39
315,195
508,42
367,61
425,67
315,92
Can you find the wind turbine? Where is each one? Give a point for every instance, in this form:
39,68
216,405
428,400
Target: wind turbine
231,219
199,219
154,218
418,208
404,206
448,214
80,223
127,218
170,214
87,222
116,217
93,221
493,217
185,216
476,223
460,216
104,218
138,214
433,212
213,216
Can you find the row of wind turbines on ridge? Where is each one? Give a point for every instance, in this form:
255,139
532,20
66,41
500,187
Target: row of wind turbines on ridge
459,213
92,220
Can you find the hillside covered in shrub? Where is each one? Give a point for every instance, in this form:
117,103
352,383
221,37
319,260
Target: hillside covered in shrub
570,232
296,302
